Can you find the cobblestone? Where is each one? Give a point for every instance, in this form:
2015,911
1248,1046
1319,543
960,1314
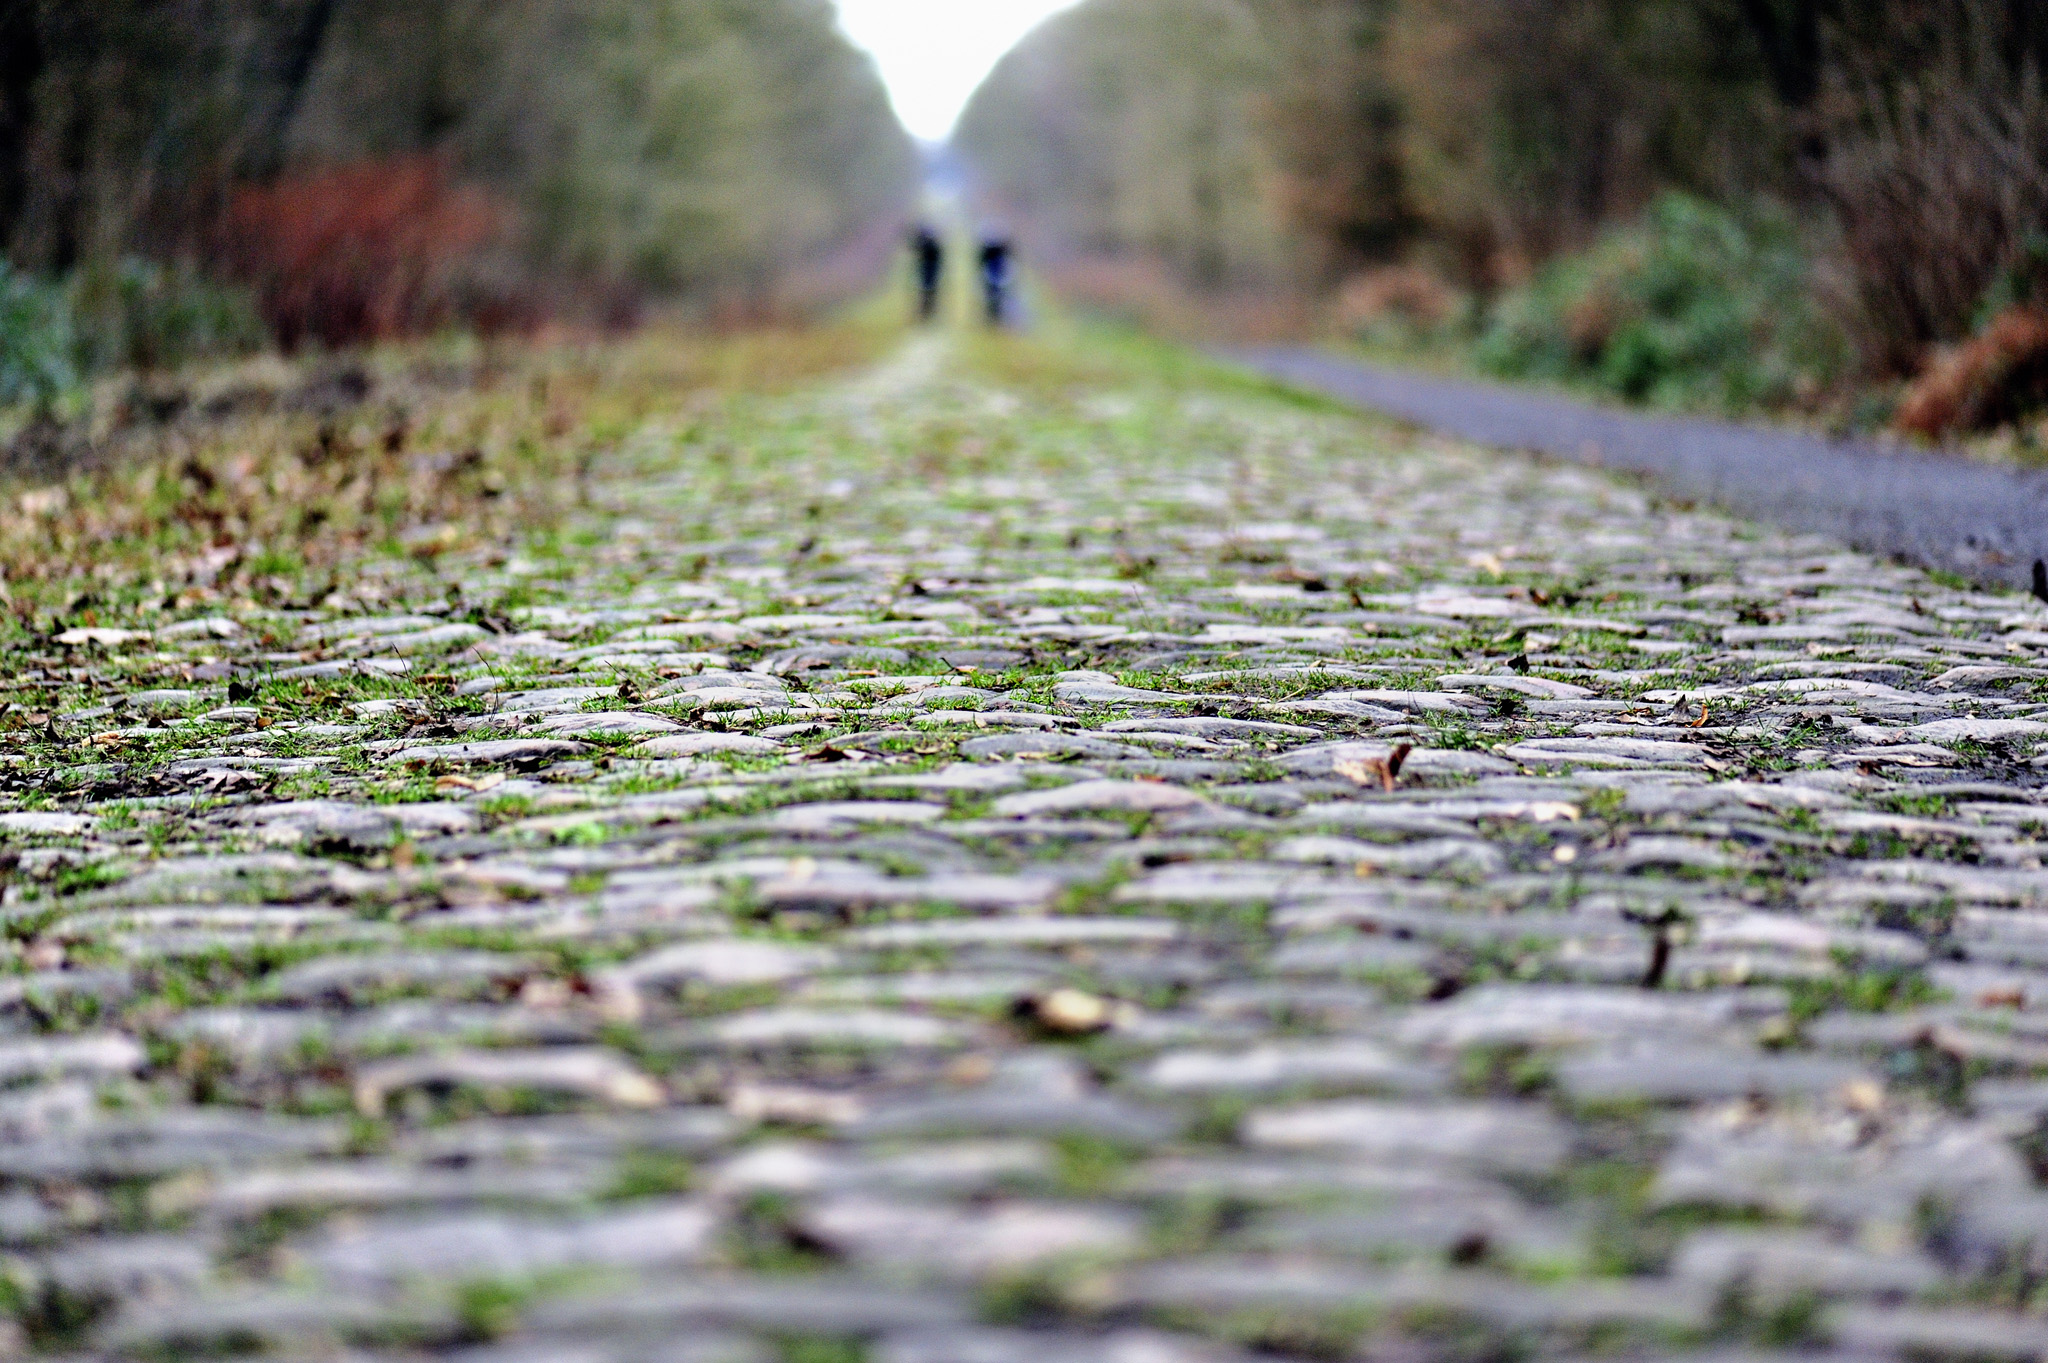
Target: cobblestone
998,859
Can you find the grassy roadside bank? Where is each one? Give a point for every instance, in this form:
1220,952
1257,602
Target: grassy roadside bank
1697,309
263,481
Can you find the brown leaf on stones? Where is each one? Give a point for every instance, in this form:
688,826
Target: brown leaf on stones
1384,772
490,781
1307,581
221,780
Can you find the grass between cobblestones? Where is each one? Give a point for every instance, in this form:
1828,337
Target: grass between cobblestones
846,845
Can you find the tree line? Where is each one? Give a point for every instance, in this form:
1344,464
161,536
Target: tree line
1252,143
369,165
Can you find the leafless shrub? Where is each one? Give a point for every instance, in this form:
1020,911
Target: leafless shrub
1936,169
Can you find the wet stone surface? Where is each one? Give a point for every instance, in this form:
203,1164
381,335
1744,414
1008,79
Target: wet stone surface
961,865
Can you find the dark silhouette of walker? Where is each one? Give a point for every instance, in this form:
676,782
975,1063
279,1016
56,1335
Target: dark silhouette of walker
929,256
996,260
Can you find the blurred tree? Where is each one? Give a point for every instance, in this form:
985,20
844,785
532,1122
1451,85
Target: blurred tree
1929,129
1236,140
1532,123
1495,132
21,65
1133,128
715,144
681,145
1334,116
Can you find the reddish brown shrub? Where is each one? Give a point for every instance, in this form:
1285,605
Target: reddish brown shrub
362,252
1997,376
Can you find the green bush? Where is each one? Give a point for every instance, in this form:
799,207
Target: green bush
55,334
2023,283
141,315
38,346
1692,306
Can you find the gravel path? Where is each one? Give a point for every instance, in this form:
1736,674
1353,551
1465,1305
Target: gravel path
1936,510
966,866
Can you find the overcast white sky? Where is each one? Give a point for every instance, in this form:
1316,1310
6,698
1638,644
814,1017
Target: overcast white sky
933,53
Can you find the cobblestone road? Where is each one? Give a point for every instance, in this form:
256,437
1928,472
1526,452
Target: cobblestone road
965,866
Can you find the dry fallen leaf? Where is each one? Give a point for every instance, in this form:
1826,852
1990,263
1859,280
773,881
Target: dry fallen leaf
1384,772
1069,1011
1701,722
472,783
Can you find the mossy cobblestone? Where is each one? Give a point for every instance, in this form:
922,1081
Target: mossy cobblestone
1042,856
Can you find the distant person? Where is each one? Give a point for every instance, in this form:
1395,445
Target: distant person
928,253
995,278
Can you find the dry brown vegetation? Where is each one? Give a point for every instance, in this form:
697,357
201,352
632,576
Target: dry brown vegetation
420,447
1996,377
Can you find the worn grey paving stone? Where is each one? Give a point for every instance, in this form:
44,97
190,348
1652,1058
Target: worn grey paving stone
828,1306
1589,925
1934,1333
1677,1072
1340,1065
1314,1290
1420,1228
699,1347
372,1185
968,1242
1782,1265
366,1255
1031,1346
271,1318
1488,1135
